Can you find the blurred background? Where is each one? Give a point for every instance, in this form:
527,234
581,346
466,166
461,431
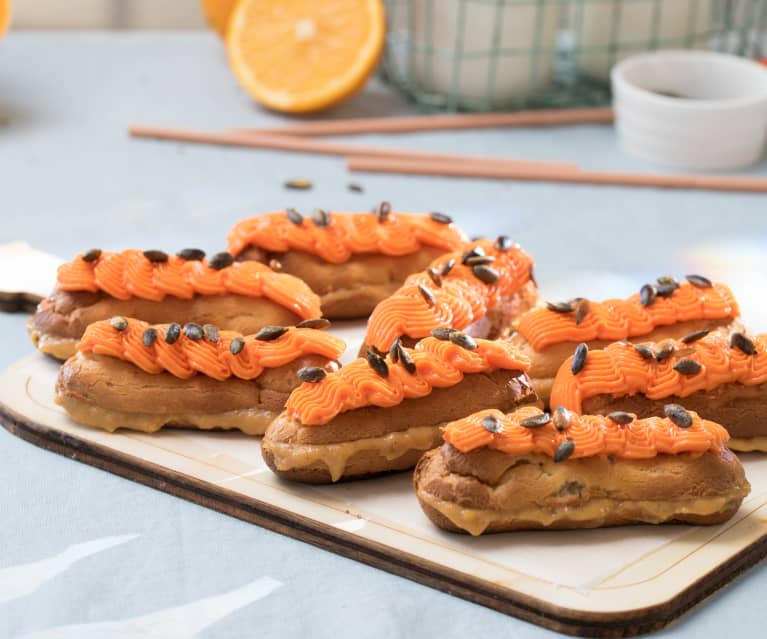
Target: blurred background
108,14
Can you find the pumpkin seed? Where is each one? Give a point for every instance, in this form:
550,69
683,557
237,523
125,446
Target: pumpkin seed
667,279
536,421
687,367
193,331
318,323
480,259
665,290
463,340
477,251
311,374
581,310
561,418
492,424
355,188
695,336
211,333
621,417
560,307
405,359
503,243
92,255
664,351
647,294
118,322
236,345
172,333
321,218
441,218
394,351
678,414
485,274
564,450
579,358
442,333
300,184
427,295
221,260
275,264
383,210
684,352
447,267
644,351
149,337
435,277
742,343
156,256
377,363
269,333
294,216
699,281
191,254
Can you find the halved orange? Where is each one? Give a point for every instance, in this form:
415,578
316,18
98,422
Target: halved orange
217,14
304,55
5,16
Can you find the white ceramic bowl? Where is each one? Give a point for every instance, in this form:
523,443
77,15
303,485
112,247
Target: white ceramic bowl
719,120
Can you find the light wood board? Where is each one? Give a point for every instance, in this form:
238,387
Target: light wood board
607,582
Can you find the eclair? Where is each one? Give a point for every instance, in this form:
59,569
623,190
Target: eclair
531,470
479,290
158,288
722,376
130,374
668,309
351,260
379,414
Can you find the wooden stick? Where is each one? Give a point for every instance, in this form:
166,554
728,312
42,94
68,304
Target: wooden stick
418,123
516,172
308,145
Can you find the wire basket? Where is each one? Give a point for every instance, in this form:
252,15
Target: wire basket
483,55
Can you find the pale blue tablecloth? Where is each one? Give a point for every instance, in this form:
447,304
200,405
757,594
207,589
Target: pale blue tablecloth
70,178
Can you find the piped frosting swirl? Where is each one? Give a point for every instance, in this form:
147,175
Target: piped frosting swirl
211,354
591,435
341,235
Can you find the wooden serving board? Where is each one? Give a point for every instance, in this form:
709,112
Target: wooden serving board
607,582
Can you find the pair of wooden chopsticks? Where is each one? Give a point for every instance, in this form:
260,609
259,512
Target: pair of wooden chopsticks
302,138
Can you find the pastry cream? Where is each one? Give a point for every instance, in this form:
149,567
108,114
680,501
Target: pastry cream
58,347
186,356
346,234
618,319
620,370
252,421
438,364
593,513
335,457
460,300
130,274
591,434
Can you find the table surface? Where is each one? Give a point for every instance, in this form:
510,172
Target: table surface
87,554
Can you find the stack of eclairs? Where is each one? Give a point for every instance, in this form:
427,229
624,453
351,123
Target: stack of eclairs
514,413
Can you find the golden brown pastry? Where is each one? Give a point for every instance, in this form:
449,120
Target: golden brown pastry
130,374
351,260
380,414
531,470
721,376
166,288
479,290
667,309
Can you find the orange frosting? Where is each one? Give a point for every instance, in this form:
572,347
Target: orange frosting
620,370
439,364
186,357
592,435
620,319
345,235
130,274
460,301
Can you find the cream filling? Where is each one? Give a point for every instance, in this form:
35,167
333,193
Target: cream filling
59,347
336,456
748,444
475,520
252,421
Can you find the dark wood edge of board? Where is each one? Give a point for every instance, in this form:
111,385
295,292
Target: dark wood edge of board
19,302
573,622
